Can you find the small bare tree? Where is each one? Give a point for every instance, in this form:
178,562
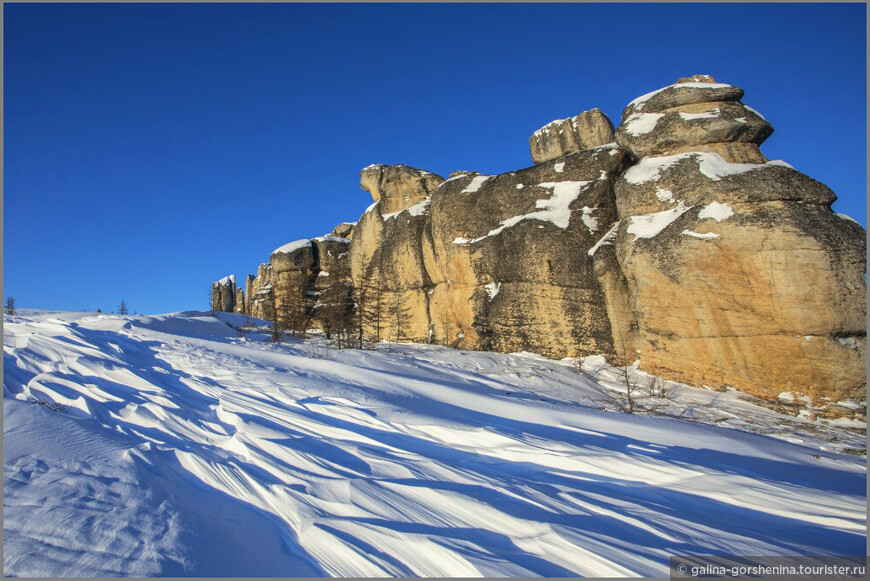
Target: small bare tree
276,327
402,314
372,311
629,385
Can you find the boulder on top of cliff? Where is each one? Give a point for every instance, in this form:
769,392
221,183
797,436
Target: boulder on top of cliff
695,126
686,91
332,254
296,255
563,136
657,184
343,230
397,187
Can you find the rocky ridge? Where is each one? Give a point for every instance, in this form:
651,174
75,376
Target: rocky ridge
671,240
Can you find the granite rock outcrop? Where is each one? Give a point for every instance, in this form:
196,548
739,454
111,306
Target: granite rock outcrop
586,130
738,274
671,240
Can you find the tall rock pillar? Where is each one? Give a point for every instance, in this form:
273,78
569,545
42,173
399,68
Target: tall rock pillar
738,272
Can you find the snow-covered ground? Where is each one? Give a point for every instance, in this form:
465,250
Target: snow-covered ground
182,448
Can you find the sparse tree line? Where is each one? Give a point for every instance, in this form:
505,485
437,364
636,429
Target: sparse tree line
351,316
11,309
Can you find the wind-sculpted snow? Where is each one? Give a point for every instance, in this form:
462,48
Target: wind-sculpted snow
184,449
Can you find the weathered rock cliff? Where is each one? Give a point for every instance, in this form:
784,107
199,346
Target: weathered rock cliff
679,244
738,274
507,256
223,294
304,282
386,253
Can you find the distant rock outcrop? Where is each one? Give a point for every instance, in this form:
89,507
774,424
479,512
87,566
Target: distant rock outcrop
289,287
223,294
671,240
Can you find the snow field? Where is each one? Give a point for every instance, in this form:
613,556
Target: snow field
185,449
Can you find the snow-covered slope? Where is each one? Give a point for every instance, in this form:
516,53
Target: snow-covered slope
182,448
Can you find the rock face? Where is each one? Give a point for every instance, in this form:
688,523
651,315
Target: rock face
249,292
304,283
693,115
507,256
738,274
261,297
587,130
396,187
223,294
240,301
386,254
679,245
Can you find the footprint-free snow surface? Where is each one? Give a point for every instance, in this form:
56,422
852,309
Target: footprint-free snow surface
171,445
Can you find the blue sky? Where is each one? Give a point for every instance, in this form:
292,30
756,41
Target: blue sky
153,148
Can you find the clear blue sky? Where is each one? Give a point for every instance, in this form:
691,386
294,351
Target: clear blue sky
153,148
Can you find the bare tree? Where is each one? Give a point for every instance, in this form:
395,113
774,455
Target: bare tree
335,306
276,327
629,385
122,309
373,305
291,305
359,309
10,306
401,314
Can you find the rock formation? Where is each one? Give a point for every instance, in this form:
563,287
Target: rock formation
587,130
223,294
678,244
343,230
738,273
386,254
290,286
396,187
507,256
261,299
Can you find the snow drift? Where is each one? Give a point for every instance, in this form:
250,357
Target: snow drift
171,445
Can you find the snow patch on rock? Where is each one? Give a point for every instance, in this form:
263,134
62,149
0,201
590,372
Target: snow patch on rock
590,221
292,246
710,164
605,240
705,235
642,123
554,209
492,289
716,211
650,225
476,183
